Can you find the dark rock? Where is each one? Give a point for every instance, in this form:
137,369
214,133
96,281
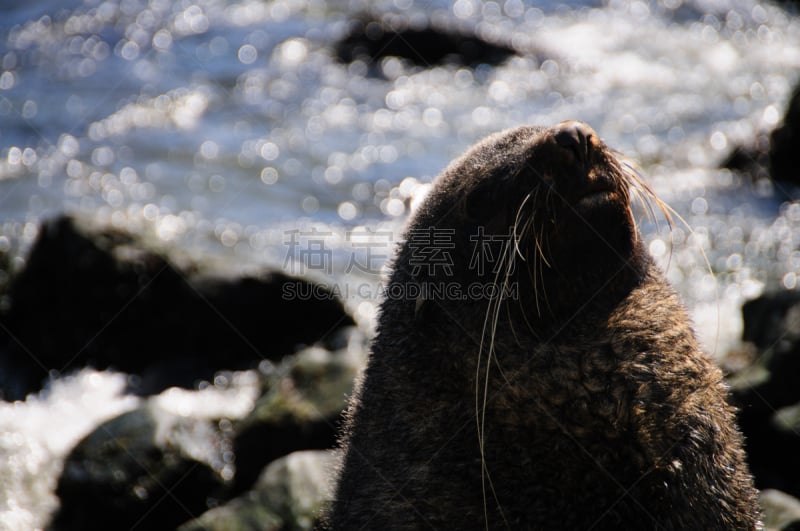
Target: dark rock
288,496
771,319
784,153
774,155
245,513
100,298
147,469
153,469
371,40
750,160
299,409
772,439
772,324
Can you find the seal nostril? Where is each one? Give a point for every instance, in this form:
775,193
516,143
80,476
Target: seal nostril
574,137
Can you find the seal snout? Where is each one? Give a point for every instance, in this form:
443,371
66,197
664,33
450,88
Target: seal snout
586,177
575,137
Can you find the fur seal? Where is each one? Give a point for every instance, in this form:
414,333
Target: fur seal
573,395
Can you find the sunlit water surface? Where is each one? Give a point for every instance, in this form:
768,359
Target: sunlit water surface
225,128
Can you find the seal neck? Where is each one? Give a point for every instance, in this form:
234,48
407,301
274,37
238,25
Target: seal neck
593,284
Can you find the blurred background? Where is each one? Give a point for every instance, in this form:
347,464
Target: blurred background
232,132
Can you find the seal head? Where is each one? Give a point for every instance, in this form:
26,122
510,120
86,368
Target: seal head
556,205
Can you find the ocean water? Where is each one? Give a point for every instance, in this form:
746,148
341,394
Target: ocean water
228,130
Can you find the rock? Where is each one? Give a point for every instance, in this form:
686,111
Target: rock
781,511
784,152
772,324
246,513
771,318
154,469
767,393
299,409
101,298
146,468
774,155
297,487
288,496
750,160
370,40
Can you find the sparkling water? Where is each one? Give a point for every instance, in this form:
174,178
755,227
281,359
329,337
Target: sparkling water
227,129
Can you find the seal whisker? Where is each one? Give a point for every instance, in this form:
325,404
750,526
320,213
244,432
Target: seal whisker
537,238
532,268
480,404
548,202
629,170
478,416
508,255
540,247
522,237
516,224
537,264
510,321
646,194
504,291
541,270
626,168
529,234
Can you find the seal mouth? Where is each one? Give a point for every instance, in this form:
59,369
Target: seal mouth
599,190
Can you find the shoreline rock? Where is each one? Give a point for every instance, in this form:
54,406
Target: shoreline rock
773,155
766,392
288,496
100,298
371,39
299,410
215,468
146,467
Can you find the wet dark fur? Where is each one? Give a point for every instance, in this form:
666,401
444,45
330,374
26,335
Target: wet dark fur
594,404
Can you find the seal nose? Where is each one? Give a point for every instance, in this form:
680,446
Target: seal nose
574,137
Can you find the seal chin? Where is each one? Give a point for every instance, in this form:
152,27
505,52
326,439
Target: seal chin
593,188
598,225
598,195
596,199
